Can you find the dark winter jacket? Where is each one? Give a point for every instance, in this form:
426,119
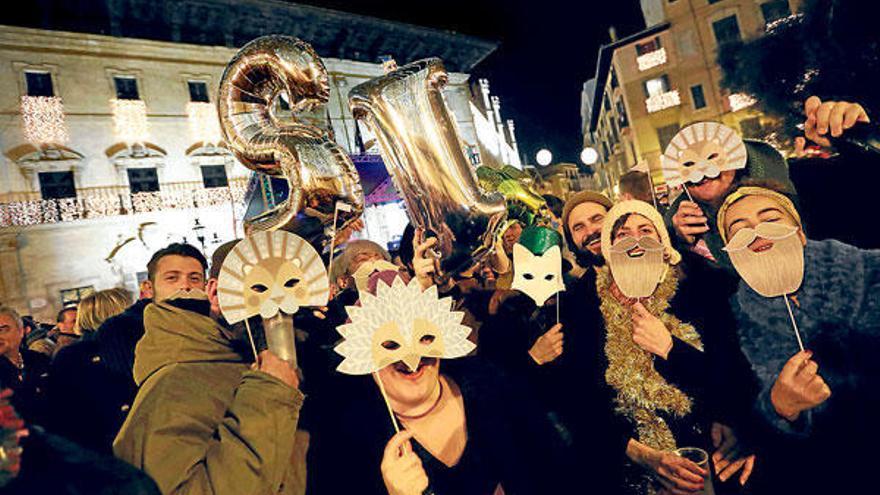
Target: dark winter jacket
28,384
91,387
717,378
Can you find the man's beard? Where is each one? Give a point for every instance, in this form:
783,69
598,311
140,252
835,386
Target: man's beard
637,277
775,272
586,258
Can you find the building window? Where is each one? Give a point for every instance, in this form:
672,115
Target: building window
665,135
698,96
198,91
39,84
622,119
614,82
751,128
214,176
143,180
57,185
72,297
714,1
656,86
648,46
126,88
775,10
726,30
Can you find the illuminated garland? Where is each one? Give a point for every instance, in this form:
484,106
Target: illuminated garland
43,118
641,389
130,120
663,100
204,126
738,101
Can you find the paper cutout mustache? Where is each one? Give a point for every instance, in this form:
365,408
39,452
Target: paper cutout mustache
774,271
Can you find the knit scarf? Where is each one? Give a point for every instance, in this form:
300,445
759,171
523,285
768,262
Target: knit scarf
641,390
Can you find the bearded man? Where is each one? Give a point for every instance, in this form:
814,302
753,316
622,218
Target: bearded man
817,407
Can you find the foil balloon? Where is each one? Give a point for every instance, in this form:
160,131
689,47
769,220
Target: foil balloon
523,203
319,172
421,148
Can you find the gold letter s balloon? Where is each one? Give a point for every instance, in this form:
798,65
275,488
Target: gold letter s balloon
317,170
423,153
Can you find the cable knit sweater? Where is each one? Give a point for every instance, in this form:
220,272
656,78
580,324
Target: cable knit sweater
837,309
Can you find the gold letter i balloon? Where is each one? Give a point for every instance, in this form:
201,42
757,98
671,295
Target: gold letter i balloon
422,151
318,171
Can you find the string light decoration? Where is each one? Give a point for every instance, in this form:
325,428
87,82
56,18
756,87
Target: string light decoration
662,101
204,126
651,59
130,120
738,101
43,118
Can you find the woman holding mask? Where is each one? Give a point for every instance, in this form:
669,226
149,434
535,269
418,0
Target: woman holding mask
461,432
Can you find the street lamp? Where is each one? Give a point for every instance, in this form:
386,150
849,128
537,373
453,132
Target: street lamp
544,157
589,156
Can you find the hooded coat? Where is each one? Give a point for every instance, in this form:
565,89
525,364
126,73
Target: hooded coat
203,422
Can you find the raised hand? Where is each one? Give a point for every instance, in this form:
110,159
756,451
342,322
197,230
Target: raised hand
798,387
549,346
649,332
401,468
830,116
689,221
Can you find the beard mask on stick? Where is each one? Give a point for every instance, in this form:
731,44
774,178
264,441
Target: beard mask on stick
770,256
637,266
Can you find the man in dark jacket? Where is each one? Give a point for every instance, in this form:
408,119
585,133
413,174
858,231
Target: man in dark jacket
22,370
93,388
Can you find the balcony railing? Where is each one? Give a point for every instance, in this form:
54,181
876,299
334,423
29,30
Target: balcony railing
98,204
662,101
651,59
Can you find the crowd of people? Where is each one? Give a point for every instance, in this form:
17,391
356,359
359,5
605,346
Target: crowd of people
588,390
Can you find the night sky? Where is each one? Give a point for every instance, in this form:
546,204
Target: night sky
547,51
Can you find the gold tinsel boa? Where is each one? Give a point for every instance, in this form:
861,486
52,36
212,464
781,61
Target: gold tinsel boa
641,390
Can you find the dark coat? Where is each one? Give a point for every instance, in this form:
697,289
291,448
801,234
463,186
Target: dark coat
717,379
507,441
91,388
28,384
51,464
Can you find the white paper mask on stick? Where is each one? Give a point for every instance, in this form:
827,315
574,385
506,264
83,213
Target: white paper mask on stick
268,272
538,277
772,271
637,265
702,150
400,323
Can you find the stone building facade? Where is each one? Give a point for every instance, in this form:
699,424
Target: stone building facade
652,83
109,139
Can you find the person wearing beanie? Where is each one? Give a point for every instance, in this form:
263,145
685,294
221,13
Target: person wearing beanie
814,404
595,339
693,222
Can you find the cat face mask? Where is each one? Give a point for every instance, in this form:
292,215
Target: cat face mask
268,272
537,276
702,150
400,323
